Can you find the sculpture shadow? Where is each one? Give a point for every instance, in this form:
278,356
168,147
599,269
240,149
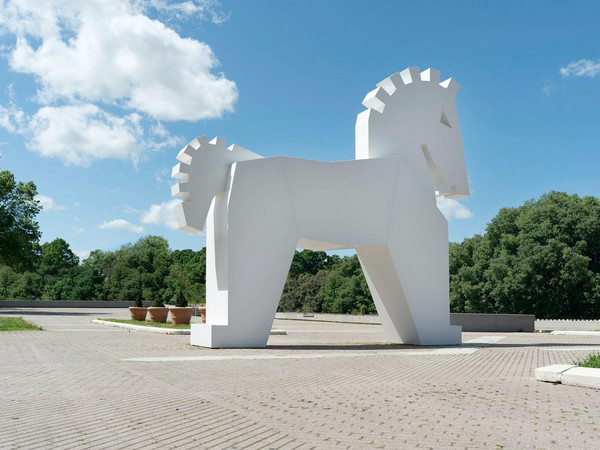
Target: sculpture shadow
348,347
394,347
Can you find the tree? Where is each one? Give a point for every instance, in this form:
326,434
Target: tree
308,261
346,291
19,232
541,258
303,293
57,257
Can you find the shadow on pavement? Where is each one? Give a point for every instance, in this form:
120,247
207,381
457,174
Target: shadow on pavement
17,312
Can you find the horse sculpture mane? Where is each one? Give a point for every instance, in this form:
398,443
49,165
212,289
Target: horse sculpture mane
408,150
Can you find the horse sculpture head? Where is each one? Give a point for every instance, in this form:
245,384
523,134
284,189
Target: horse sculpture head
412,115
203,173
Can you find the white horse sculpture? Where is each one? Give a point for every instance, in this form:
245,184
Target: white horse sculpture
383,204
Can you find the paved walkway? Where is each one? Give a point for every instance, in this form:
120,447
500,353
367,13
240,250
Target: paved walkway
81,385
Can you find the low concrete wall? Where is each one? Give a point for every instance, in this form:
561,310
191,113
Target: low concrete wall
469,322
502,323
64,304
567,325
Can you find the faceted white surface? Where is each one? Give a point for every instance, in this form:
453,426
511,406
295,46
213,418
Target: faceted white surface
258,210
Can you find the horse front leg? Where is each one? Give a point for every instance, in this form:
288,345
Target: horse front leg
261,237
408,275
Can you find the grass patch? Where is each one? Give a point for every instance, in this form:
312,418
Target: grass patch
593,361
148,323
16,324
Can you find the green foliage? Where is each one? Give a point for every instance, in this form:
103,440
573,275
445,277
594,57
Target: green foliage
19,232
541,258
57,257
310,262
16,324
345,290
593,361
302,294
323,283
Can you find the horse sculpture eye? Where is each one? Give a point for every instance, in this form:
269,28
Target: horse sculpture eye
445,120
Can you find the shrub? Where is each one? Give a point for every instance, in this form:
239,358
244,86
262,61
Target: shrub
158,303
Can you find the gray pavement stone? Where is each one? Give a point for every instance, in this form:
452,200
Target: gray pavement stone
68,387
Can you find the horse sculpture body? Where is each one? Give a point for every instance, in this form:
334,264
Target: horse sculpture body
259,210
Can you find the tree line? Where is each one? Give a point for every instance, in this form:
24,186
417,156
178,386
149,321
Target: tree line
540,258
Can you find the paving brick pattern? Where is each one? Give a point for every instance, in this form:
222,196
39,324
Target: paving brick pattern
68,387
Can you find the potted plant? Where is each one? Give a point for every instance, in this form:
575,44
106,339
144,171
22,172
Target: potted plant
158,312
137,311
202,311
181,314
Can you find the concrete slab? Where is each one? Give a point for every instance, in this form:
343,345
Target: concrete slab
149,329
582,376
551,374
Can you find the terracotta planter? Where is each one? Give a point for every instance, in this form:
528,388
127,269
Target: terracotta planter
181,315
158,314
202,311
138,313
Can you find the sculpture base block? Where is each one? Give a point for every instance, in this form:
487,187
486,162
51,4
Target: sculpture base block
225,336
452,335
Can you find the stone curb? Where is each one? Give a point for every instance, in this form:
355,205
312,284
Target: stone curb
141,327
569,375
273,332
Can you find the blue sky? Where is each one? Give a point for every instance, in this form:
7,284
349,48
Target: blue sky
97,97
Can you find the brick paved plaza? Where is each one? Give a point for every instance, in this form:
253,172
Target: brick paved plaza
323,385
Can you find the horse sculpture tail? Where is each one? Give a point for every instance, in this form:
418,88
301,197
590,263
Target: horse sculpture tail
203,172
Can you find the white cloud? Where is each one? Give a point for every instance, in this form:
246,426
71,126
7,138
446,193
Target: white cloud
121,224
113,191
83,254
163,214
453,209
581,68
79,230
160,175
107,74
128,209
203,9
11,118
48,204
548,89
81,134
109,51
